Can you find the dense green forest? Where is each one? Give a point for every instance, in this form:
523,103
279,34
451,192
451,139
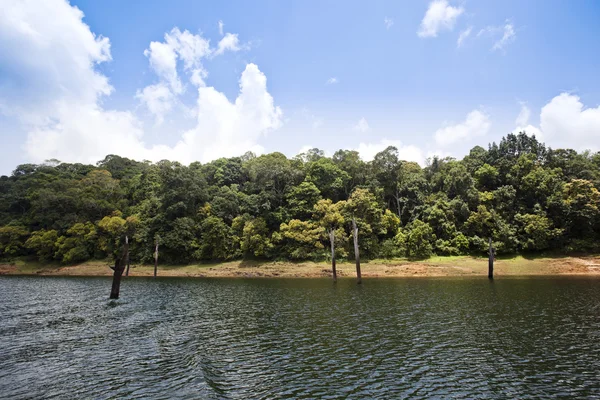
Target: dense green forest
527,197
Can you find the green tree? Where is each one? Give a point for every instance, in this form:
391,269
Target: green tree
12,240
43,243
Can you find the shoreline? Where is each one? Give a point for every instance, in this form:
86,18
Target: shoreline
433,267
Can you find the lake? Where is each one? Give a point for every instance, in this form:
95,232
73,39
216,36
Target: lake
300,338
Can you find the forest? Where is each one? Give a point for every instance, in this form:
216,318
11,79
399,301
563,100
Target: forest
527,197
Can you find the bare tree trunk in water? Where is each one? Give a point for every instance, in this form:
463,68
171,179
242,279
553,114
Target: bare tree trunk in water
491,262
127,270
356,254
332,240
118,272
156,258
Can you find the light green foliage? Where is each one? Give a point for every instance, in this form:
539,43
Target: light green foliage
301,200
535,231
112,234
581,202
301,239
486,177
12,240
418,239
255,239
329,214
43,243
78,244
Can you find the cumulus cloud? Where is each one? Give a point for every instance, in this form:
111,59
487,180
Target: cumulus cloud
388,22
368,151
158,99
331,81
362,125
221,25
229,42
566,122
439,16
523,125
35,72
475,124
224,128
463,36
52,88
177,46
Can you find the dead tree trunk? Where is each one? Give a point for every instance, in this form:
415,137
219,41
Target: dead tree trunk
398,203
156,258
127,270
491,261
356,253
332,240
118,272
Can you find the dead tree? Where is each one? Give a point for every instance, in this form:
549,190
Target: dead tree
156,258
127,241
332,240
491,261
118,269
356,253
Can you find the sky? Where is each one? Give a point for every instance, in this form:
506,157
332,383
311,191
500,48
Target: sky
195,81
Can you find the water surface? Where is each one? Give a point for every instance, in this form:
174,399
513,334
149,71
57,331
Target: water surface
300,338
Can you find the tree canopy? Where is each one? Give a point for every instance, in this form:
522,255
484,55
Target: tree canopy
527,197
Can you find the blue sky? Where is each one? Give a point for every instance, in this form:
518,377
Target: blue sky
77,83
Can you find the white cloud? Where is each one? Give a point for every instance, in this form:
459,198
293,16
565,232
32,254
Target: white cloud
362,125
565,122
163,60
508,36
439,16
51,87
438,153
226,129
523,116
368,151
158,99
476,124
507,31
388,22
331,81
35,72
463,36
190,49
530,130
230,42
221,25
523,125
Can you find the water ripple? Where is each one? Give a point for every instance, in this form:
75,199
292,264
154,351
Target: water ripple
271,339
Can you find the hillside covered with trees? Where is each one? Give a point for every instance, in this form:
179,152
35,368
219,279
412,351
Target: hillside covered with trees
527,197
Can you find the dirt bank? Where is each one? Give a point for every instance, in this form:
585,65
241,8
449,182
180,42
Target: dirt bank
438,266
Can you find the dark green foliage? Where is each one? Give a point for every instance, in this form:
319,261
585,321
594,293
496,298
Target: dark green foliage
525,196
